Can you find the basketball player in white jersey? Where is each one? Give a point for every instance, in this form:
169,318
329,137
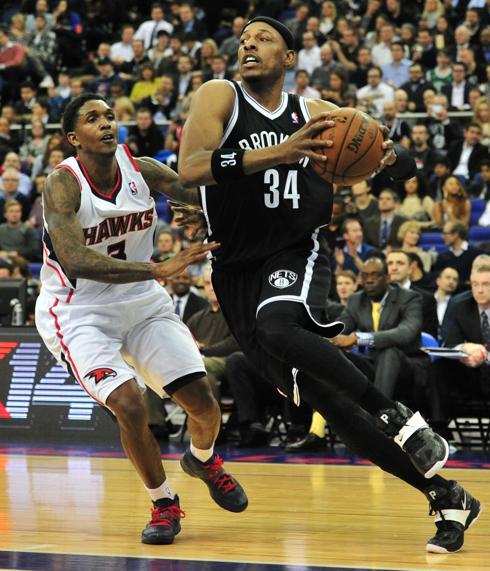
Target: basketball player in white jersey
104,316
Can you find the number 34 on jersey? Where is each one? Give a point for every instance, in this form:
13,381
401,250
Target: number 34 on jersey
277,188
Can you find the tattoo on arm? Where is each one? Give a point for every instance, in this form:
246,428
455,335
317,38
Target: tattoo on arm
162,179
61,199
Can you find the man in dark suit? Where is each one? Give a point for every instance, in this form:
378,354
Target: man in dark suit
460,254
386,321
465,156
381,230
415,88
186,302
481,189
189,23
399,272
455,382
218,69
458,91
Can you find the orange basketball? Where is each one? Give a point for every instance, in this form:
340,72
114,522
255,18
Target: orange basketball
356,151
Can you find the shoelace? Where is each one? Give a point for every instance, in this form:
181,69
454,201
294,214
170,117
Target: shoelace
223,480
166,515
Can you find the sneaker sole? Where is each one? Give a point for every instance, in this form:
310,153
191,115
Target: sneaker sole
438,465
431,548
169,542
231,508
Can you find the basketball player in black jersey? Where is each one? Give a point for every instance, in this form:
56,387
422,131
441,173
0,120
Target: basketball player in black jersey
248,146
90,126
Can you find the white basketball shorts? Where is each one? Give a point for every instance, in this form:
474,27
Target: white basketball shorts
105,346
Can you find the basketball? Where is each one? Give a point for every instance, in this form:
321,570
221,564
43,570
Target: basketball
356,151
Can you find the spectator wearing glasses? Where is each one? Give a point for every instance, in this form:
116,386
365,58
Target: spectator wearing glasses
458,91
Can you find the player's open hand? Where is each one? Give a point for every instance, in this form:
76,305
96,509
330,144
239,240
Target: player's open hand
189,217
195,254
389,156
303,143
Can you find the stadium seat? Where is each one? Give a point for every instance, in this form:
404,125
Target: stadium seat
479,234
428,340
431,239
477,208
35,268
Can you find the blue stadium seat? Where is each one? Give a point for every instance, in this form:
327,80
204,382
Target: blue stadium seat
479,234
35,268
428,340
477,208
431,239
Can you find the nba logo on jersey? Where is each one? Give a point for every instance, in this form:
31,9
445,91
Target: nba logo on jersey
294,117
282,279
133,188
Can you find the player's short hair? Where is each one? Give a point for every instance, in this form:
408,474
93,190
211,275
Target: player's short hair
70,115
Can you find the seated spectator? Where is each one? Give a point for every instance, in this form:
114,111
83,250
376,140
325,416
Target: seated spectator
105,78
470,332
146,85
122,51
401,101
186,302
69,30
10,191
8,142
147,31
442,131
396,71
345,286
166,246
340,92
376,93
460,254
387,321
355,252
189,22
418,276
481,116
320,78
159,51
229,46
399,264
23,107
366,204
415,202
56,141
381,52
444,35
481,189
130,69
41,9
465,156
145,138
423,155
43,51
399,129
432,10
475,71
218,69
415,88
328,17
163,102
34,144
124,112
442,169
424,51
358,74
409,236
457,92
455,205
309,55
302,85
209,49
447,283
13,66
54,158
442,73
382,229
213,337
251,393
17,238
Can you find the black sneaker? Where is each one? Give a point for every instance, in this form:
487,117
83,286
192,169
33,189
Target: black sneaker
223,487
165,522
427,450
456,511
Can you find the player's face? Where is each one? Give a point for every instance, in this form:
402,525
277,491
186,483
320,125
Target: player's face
262,53
96,129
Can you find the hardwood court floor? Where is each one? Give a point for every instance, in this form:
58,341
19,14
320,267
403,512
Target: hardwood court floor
305,515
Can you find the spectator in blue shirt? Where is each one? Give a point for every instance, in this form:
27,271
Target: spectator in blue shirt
396,73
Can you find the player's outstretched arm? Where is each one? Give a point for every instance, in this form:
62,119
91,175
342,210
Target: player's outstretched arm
202,161
162,179
61,199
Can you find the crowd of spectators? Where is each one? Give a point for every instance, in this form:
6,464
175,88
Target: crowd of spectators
421,67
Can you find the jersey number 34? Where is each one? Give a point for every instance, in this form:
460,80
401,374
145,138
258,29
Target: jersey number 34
272,196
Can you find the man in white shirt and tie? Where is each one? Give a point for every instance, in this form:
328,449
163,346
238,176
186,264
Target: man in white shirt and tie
148,30
447,283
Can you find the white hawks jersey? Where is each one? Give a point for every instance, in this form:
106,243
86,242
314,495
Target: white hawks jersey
120,224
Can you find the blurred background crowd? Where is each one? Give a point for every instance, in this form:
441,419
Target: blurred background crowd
421,67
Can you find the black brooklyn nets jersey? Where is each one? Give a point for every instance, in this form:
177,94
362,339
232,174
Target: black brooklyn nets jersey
272,210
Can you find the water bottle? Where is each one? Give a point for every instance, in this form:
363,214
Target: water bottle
17,312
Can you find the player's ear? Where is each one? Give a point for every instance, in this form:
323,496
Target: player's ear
72,139
290,59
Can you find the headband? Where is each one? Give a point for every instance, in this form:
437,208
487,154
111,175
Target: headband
285,32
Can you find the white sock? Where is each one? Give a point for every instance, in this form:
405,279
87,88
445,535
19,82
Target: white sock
163,491
202,455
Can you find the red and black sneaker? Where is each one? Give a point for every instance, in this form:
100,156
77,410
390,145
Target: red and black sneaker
165,522
223,487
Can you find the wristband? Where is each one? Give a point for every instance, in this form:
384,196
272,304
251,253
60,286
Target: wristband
404,167
227,164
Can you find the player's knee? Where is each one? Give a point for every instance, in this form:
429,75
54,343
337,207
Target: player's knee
197,399
130,409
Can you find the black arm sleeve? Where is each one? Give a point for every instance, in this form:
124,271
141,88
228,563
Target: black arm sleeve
404,167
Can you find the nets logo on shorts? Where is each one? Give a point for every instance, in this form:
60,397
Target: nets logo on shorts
283,279
100,374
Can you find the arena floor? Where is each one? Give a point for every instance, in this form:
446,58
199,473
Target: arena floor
78,509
